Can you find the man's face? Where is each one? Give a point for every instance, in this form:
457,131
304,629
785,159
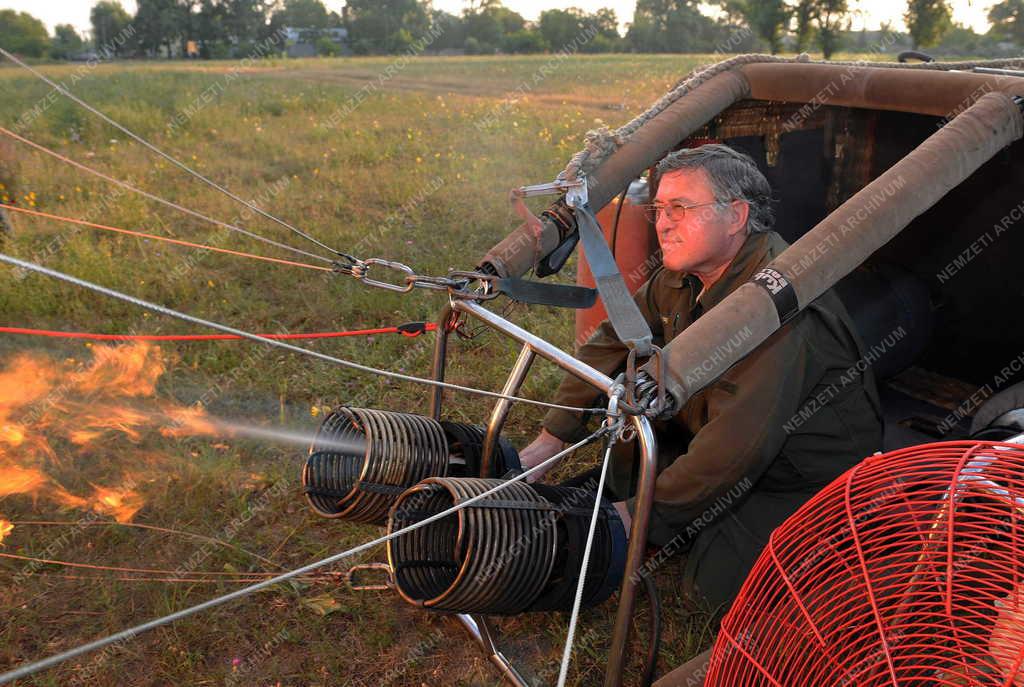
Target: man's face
699,242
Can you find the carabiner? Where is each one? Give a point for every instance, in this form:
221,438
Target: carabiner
410,276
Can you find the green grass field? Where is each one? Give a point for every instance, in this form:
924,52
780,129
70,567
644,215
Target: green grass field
418,172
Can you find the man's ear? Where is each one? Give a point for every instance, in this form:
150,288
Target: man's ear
739,211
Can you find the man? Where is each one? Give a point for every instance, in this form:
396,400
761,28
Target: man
745,452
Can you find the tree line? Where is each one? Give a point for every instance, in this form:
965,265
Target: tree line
225,28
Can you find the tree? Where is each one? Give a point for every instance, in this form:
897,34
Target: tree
525,41
606,23
1007,18
244,19
109,20
928,21
804,33
66,42
561,27
831,17
386,26
671,26
487,23
212,31
158,25
449,26
225,26
23,34
766,18
306,14
607,38
187,20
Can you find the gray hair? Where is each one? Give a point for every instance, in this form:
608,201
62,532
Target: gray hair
733,176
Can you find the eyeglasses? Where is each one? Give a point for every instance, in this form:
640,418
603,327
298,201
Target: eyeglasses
675,210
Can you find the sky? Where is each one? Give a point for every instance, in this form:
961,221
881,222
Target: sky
866,12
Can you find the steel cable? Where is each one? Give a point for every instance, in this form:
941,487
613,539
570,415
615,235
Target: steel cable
132,632
128,569
273,342
142,526
166,239
181,165
158,199
574,617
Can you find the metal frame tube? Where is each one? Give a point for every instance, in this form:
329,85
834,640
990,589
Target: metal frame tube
478,628
534,345
635,552
502,408
440,360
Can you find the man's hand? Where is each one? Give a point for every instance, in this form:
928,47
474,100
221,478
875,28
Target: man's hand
540,449
624,515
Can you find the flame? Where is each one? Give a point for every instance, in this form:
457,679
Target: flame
121,503
25,381
15,479
131,370
12,435
5,528
95,422
63,421
190,422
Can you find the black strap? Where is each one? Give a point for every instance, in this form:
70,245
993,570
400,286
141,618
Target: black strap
374,488
425,564
781,292
505,504
560,295
329,493
623,312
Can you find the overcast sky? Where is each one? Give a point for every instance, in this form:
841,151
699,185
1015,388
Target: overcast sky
870,12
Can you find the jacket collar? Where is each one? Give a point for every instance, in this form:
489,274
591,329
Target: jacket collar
756,252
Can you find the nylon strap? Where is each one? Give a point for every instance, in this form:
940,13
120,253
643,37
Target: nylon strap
629,325
560,295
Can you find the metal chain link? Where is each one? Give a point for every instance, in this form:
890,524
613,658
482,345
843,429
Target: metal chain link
456,283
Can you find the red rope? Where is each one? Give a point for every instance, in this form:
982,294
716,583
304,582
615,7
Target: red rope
167,239
410,329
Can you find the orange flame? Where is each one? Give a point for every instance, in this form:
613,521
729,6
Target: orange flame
15,479
65,418
130,370
121,503
190,422
5,528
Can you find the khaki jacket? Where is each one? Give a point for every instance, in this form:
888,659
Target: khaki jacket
791,416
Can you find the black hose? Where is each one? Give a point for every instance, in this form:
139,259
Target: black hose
914,55
519,551
995,433
651,665
362,459
615,224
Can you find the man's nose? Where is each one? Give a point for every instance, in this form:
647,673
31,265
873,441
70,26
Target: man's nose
663,224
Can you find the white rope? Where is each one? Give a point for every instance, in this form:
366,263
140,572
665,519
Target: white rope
177,163
272,342
132,632
158,199
600,143
567,652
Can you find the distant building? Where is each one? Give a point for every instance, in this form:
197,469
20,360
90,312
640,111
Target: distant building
301,42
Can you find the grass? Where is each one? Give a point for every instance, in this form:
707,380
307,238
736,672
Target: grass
414,146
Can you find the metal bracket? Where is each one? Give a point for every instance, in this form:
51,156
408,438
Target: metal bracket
553,188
